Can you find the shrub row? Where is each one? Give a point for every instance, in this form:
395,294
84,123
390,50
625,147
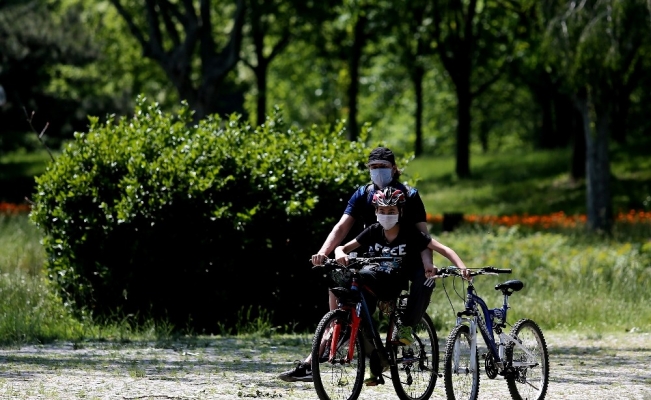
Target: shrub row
156,216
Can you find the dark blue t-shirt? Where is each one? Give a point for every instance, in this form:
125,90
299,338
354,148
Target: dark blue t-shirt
360,206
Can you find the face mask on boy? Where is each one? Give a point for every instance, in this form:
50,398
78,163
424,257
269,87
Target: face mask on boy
387,221
381,177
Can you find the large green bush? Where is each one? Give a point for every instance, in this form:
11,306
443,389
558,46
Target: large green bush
157,217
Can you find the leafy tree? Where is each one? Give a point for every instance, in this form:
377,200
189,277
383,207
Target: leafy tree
559,122
412,38
112,81
345,39
595,52
179,34
33,39
475,43
269,29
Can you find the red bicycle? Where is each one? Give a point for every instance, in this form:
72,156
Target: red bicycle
347,334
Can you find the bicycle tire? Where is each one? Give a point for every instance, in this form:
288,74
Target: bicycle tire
414,378
528,382
461,378
337,380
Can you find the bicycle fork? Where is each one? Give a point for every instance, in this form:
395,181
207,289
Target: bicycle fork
472,324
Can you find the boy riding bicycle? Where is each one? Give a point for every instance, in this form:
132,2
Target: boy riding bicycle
386,236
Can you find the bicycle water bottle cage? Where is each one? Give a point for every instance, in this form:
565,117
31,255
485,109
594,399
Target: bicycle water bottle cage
345,295
509,287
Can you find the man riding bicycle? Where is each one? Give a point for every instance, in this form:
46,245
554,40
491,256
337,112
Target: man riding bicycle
360,211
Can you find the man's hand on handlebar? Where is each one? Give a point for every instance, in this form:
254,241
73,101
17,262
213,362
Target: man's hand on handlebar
319,259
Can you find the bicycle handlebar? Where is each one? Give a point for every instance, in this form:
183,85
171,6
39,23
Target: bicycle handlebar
353,263
454,271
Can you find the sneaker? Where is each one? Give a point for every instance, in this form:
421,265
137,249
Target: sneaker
301,373
404,335
372,380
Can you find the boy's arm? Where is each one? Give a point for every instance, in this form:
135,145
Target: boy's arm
450,254
341,252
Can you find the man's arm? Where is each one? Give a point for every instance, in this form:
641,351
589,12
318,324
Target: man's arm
336,235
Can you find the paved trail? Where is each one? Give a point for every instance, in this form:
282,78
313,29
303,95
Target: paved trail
609,367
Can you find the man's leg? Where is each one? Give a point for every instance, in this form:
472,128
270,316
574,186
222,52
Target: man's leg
302,372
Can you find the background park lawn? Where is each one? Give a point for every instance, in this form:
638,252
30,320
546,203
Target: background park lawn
574,280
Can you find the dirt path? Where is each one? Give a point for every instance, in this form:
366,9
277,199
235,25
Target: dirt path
610,367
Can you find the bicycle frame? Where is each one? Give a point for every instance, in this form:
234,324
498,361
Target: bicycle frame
474,303
360,313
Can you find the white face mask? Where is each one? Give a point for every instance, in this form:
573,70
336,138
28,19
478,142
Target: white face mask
382,176
387,221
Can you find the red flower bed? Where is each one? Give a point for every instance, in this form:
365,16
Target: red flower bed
554,220
13,209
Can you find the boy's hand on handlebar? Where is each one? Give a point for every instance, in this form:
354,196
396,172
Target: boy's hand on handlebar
430,271
319,259
341,257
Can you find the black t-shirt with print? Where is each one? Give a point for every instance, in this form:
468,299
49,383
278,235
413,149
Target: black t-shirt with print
408,244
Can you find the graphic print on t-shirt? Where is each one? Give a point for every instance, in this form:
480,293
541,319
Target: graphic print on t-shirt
397,251
409,240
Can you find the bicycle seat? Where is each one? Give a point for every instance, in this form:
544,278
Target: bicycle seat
512,286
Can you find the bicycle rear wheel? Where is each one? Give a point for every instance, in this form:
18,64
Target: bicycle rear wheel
337,379
528,381
416,368
461,374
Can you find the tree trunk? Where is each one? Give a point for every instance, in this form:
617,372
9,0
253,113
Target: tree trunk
542,90
599,208
261,82
417,78
464,102
353,89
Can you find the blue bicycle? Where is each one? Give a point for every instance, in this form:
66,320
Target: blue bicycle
521,356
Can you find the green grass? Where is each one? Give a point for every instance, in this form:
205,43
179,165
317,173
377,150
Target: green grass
573,280
17,172
30,310
530,182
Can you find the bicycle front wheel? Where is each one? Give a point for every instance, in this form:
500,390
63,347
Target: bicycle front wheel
461,374
530,361
417,366
335,378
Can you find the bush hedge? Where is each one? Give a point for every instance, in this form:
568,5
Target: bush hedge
156,216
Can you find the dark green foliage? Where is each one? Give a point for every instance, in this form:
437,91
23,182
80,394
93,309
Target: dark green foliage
153,215
34,37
